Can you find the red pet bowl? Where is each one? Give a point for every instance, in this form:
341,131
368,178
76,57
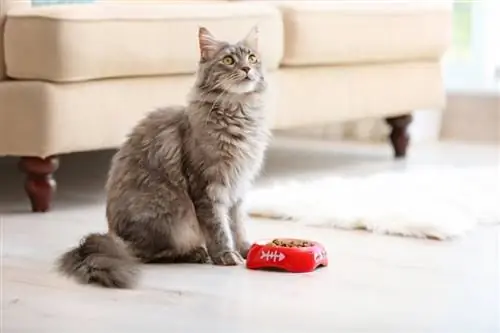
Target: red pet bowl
288,254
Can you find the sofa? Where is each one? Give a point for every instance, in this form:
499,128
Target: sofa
77,77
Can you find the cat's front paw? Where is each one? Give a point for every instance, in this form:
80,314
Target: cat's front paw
243,249
228,258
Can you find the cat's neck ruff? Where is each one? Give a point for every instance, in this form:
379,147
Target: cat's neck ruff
227,99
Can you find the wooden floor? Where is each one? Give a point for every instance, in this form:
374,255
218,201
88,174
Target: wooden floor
373,284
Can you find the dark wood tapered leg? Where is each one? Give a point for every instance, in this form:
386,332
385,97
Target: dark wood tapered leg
40,184
399,136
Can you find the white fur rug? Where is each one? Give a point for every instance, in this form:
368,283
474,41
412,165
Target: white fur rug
438,203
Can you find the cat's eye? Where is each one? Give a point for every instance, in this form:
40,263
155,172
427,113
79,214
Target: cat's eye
228,60
252,58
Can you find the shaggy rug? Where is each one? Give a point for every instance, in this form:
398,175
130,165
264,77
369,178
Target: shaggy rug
438,203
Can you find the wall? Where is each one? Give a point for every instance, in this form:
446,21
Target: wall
472,117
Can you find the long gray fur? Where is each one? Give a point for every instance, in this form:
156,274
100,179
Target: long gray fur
176,187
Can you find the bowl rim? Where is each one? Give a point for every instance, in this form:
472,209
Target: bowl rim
265,243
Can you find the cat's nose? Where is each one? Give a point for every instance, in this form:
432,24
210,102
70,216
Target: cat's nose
245,69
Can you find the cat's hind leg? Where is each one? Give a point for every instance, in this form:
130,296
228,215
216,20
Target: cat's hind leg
159,238
185,243
198,255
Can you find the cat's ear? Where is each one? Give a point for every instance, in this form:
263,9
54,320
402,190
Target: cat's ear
209,45
252,39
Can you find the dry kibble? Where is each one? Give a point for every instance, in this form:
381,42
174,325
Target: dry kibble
290,243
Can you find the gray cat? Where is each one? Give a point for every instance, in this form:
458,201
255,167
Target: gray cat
176,187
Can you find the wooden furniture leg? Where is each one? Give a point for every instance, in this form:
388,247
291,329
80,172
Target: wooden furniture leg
40,184
399,136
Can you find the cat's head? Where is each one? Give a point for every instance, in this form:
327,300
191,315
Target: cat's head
231,67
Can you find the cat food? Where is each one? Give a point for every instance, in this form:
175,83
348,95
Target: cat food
290,243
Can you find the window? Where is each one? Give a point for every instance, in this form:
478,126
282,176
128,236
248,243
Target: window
474,59
462,30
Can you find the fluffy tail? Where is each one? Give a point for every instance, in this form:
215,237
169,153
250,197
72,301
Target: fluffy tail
100,259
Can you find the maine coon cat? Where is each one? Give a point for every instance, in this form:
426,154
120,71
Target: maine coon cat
176,187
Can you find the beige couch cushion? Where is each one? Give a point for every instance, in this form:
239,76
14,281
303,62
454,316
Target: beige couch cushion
339,32
82,42
5,6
